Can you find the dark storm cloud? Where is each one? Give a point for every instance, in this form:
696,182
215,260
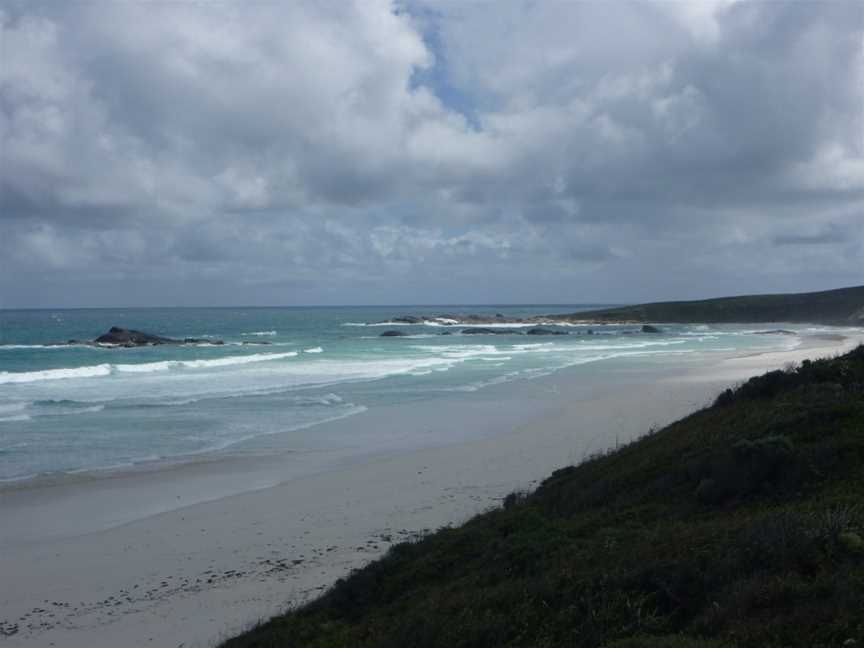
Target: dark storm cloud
366,152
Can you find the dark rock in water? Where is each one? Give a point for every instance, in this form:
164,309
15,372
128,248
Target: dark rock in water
129,338
447,333
484,331
544,331
647,328
392,334
250,343
407,319
499,316
117,335
775,332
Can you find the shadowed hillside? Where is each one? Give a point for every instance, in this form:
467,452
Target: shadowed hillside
740,525
841,306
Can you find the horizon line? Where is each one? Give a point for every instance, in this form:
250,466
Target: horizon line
48,308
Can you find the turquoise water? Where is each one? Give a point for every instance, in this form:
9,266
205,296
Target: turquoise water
66,409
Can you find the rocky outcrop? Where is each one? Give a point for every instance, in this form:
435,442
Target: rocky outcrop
392,334
647,328
544,331
486,331
130,338
117,335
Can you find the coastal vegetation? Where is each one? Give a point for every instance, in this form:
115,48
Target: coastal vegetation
840,306
740,525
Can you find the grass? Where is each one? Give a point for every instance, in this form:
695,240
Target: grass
740,525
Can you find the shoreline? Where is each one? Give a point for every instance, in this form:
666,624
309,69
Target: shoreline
202,570
219,457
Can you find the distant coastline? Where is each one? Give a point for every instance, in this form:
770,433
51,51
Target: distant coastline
842,306
839,307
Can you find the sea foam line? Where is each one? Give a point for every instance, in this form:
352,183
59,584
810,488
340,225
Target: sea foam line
13,347
105,369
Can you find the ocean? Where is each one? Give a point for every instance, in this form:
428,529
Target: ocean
282,372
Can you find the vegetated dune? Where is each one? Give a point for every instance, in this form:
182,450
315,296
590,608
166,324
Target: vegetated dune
843,306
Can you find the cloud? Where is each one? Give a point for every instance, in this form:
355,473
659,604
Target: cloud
316,152
829,234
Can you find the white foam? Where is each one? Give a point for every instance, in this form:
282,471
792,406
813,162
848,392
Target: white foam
237,360
313,350
12,347
106,369
453,323
54,374
147,367
260,333
71,411
326,399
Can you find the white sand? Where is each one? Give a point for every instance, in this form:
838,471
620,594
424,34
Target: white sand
203,571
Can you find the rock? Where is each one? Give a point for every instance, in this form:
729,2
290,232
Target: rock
129,339
392,334
775,332
407,319
544,331
117,335
647,328
483,331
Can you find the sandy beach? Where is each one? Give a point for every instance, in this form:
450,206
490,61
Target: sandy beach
186,555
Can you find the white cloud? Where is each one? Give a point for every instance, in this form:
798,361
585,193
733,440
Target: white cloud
339,145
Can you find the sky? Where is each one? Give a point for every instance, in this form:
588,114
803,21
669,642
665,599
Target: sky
409,152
